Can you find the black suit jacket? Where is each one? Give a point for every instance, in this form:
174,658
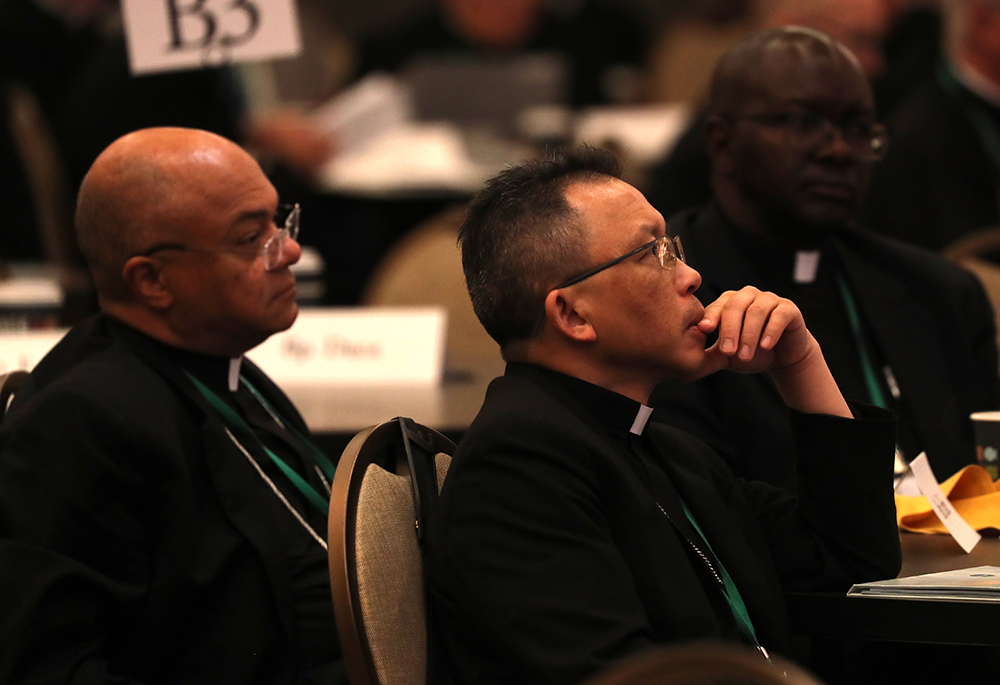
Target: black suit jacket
137,544
938,182
549,556
930,320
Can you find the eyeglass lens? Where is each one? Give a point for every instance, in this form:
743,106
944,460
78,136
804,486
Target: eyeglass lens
668,250
866,139
287,217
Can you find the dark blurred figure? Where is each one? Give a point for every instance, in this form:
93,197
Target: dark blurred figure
479,64
895,46
941,178
69,57
793,138
911,51
603,45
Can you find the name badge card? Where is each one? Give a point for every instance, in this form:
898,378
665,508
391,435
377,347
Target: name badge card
364,346
963,533
172,35
21,351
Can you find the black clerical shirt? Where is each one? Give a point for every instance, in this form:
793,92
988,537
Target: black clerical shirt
312,605
625,421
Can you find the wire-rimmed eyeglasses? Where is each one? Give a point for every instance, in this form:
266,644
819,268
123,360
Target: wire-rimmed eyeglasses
867,139
272,250
668,250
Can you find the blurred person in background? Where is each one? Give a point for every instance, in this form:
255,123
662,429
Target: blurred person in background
69,59
940,180
681,181
793,138
603,44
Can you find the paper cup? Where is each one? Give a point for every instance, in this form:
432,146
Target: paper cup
987,429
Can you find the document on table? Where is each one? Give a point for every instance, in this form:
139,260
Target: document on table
976,584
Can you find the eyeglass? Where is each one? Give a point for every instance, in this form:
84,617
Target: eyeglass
867,139
272,250
666,248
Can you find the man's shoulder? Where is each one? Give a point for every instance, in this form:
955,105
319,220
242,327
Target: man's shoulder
915,264
91,365
527,415
520,400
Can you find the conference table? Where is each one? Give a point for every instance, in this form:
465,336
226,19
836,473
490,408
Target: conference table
837,616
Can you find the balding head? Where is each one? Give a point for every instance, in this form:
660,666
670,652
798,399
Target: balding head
743,73
860,25
139,192
174,224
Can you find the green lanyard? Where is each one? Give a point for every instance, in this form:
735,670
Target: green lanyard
733,595
867,368
236,422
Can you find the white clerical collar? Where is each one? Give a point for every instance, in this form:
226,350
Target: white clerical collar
974,80
234,373
639,425
806,266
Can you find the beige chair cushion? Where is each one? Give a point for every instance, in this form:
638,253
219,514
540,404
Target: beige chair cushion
390,575
390,578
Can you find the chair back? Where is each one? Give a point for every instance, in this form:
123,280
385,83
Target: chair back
425,268
386,482
10,383
969,252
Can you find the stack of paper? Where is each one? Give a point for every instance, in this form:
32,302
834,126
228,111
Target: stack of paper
977,584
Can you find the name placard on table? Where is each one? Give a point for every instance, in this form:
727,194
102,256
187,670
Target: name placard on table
364,346
22,350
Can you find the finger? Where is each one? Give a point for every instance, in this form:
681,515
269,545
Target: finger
757,316
713,312
784,316
731,319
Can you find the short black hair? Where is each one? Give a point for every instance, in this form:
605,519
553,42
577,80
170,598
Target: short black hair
520,237
736,76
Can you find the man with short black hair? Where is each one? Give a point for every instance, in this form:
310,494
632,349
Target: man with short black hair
793,138
574,528
162,506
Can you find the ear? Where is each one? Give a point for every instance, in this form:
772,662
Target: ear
566,315
143,278
719,144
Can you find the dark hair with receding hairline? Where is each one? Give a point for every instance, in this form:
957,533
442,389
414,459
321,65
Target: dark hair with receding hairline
520,237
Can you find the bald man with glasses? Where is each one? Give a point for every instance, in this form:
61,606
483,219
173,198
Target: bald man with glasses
162,504
576,526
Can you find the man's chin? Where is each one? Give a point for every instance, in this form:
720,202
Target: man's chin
289,317
827,216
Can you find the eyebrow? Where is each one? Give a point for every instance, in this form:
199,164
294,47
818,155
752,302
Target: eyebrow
251,216
653,229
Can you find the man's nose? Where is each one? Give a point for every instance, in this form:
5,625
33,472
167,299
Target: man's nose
834,143
686,278
291,252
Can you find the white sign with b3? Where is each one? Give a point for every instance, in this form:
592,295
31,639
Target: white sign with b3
172,35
